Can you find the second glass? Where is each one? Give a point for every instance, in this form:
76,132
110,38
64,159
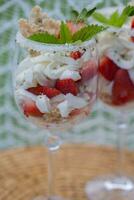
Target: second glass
116,89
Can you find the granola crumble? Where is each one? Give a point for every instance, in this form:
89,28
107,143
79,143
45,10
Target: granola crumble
39,22
34,53
53,116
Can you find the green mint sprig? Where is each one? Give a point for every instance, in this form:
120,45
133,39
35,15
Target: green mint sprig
115,19
85,33
82,16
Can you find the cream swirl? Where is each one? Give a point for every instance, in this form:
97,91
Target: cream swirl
42,68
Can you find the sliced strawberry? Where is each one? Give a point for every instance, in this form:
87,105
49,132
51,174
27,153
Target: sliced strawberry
123,88
49,92
36,90
30,109
132,23
73,27
75,55
132,26
88,71
67,86
108,68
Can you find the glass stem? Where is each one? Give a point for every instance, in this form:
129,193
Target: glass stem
53,144
121,142
120,181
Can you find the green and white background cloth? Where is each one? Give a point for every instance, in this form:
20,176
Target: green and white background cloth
14,130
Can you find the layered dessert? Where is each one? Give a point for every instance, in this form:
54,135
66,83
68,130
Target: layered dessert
116,66
54,85
116,69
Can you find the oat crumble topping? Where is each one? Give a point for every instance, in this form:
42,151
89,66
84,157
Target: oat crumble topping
39,22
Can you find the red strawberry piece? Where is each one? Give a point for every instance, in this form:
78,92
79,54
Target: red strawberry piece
108,68
49,92
132,26
88,71
74,27
123,88
132,23
30,109
67,86
36,90
75,55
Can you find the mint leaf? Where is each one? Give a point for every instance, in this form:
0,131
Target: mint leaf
115,18
128,11
65,34
44,38
100,18
87,32
74,13
83,15
90,12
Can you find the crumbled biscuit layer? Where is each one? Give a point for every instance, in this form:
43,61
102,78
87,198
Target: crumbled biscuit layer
53,116
39,22
33,53
106,98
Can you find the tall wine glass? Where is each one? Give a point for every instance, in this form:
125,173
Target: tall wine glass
116,89
55,88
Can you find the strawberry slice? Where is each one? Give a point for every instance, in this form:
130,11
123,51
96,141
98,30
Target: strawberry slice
132,23
123,88
49,92
36,90
30,109
132,26
108,68
75,55
67,86
73,27
88,71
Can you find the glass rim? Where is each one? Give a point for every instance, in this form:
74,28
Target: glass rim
38,46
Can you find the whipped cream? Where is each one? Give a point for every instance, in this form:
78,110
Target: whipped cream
64,108
86,56
26,79
22,94
70,103
43,104
105,86
116,44
70,74
123,57
34,70
24,65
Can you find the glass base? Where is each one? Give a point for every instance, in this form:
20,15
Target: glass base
48,198
110,188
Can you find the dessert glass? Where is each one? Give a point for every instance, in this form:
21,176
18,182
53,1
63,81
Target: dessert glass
116,89
55,87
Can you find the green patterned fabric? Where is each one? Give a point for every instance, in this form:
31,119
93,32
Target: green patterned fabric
14,130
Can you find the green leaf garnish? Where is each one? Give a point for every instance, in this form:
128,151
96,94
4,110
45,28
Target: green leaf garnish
82,16
44,38
66,36
74,13
87,32
115,19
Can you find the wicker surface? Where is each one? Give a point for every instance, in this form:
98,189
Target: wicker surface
23,172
